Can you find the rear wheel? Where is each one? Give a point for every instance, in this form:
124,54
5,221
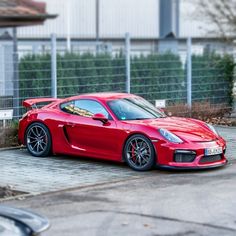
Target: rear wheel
139,153
38,140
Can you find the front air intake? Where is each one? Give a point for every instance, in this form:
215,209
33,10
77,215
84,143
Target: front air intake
213,158
184,156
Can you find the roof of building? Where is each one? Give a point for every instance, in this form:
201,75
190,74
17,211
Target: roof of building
22,13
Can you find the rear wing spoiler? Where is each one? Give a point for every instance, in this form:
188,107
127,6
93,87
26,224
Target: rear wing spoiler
32,103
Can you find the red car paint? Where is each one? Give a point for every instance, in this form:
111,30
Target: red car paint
83,136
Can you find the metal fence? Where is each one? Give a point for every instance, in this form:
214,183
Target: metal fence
187,77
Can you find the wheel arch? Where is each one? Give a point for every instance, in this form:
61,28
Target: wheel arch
138,133
41,122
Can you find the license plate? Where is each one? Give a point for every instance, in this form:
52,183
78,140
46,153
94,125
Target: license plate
213,151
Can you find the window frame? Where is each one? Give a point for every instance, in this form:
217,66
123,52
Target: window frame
84,99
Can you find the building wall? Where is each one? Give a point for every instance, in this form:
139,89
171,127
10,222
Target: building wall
116,18
139,17
192,23
6,68
80,12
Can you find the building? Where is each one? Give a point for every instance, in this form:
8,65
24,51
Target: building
149,22
82,25
13,14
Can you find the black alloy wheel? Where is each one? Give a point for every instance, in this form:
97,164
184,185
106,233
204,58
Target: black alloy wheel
139,153
38,140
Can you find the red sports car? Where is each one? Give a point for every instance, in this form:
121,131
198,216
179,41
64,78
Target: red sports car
119,127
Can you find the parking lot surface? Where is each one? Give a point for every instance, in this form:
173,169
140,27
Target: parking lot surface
161,204
38,175
115,200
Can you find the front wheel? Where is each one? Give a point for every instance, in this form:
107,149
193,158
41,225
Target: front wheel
139,153
38,140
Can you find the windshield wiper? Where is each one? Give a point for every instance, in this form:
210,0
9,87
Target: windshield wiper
142,118
149,118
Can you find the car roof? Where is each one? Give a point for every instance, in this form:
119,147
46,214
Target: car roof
103,96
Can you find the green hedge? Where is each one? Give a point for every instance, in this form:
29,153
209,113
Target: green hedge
35,76
154,76
158,76
76,74
212,78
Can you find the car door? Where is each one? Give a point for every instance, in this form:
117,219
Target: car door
92,137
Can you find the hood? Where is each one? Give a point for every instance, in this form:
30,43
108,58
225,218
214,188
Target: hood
186,129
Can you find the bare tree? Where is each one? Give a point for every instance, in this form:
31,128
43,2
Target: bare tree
222,13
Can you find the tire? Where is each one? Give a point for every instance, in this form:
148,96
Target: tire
38,140
139,153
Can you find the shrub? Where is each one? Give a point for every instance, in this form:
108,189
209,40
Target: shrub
154,76
212,78
158,76
8,135
200,110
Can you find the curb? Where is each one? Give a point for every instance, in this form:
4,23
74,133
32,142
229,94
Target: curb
225,126
21,197
12,148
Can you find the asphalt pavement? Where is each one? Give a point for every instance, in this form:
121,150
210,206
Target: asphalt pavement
100,198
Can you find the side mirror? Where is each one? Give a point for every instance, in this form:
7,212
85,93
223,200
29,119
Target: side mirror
100,117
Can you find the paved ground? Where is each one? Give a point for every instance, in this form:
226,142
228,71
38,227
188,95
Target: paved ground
152,203
167,204
38,175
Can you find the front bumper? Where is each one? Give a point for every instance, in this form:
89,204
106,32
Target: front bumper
166,155
193,167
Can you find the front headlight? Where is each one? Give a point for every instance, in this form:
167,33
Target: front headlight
170,136
211,127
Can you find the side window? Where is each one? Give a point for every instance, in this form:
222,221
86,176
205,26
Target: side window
68,107
88,108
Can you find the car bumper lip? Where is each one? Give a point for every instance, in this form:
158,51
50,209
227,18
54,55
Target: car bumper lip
184,166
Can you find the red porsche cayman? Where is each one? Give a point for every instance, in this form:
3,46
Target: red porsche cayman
119,127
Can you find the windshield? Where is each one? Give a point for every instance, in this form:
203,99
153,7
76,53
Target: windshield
134,108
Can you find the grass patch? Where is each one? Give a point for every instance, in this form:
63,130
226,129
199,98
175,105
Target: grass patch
6,192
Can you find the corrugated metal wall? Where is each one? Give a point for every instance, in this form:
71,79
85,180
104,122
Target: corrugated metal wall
58,26
139,17
83,18
116,18
192,23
